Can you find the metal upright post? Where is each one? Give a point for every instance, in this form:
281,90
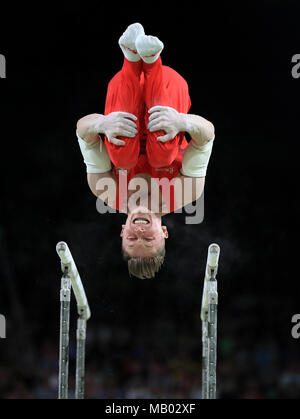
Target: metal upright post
204,359
74,282
212,338
209,324
80,358
65,299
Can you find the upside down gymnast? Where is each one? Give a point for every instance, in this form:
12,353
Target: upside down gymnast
144,125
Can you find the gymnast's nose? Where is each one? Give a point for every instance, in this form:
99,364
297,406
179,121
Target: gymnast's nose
140,229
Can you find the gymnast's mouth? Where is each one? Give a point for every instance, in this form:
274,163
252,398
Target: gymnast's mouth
141,221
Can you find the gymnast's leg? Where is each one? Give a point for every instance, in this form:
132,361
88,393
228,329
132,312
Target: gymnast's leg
124,94
163,87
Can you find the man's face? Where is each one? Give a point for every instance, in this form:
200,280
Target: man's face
143,234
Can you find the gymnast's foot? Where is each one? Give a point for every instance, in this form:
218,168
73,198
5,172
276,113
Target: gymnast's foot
149,48
127,41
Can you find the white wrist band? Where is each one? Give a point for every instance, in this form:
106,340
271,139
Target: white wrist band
195,159
95,156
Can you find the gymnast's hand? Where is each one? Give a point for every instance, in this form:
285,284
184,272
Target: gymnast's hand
118,124
166,119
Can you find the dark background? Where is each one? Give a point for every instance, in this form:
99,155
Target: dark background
144,336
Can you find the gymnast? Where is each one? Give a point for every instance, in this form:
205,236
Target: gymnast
140,141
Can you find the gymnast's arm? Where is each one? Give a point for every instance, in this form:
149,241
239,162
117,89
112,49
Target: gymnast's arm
103,186
189,184
100,177
195,159
88,127
187,189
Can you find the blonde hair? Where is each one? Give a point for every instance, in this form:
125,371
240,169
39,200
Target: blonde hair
144,268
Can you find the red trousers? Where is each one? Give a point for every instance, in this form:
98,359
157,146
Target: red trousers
135,89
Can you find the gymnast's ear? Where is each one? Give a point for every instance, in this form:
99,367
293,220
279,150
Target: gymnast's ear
123,226
165,232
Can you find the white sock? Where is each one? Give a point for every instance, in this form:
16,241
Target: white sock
149,48
127,41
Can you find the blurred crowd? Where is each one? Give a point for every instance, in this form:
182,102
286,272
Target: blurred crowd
154,363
